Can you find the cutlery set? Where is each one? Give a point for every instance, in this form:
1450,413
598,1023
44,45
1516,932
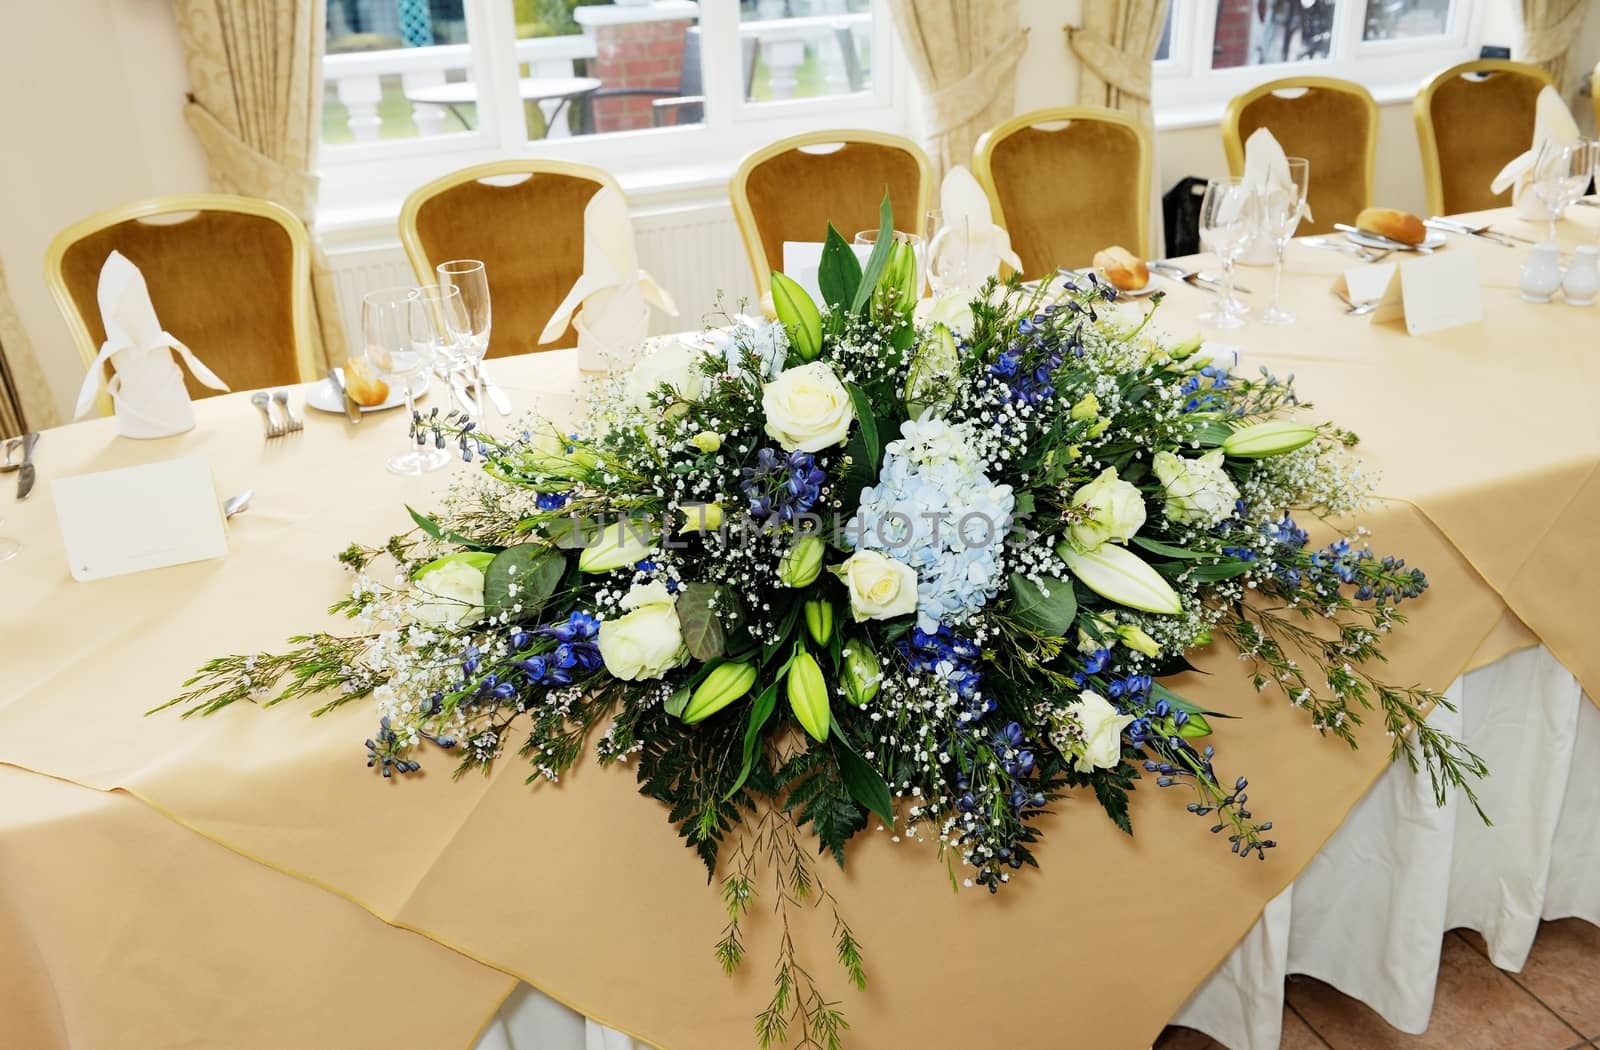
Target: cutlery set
22,467
1487,233
1193,277
291,424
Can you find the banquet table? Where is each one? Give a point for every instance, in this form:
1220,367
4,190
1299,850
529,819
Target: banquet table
245,879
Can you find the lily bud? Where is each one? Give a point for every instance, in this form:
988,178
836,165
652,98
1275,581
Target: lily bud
706,441
702,517
1136,639
1086,409
897,286
726,683
1201,640
802,563
1185,348
819,620
1272,438
808,696
1120,576
1196,726
798,315
620,543
861,672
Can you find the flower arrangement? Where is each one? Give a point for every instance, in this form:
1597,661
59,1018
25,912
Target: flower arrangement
877,564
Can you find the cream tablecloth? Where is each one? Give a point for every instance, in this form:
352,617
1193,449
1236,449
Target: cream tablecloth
1488,445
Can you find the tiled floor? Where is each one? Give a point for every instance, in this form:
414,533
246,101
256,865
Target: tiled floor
1553,1004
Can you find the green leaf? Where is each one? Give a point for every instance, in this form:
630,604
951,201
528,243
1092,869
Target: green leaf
838,272
1054,615
865,420
760,711
1022,504
534,568
1157,547
879,257
703,633
677,702
865,784
433,528
1211,433
1161,692
1226,569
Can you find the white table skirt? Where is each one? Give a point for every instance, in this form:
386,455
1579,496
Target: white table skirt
1370,911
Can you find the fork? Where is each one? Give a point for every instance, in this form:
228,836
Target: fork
1361,252
295,424
264,403
1356,309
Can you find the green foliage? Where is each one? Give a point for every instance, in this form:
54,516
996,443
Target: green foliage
838,272
1054,614
699,613
533,568
816,794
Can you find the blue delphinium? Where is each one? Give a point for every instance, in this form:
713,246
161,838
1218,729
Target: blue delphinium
782,486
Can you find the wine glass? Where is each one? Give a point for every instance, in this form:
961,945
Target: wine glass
1281,208
949,252
1225,229
1560,175
390,352
468,323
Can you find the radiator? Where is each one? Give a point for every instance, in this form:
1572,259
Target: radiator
694,253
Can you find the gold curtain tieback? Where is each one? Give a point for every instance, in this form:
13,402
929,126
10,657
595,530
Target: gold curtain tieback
1110,63
966,99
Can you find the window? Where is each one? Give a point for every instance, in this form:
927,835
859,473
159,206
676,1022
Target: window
1211,50
415,88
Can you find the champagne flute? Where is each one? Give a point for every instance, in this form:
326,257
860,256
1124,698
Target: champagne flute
387,316
949,253
1224,231
468,324
1560,175
1281,210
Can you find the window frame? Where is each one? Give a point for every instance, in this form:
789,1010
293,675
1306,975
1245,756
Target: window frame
356,176
1188,92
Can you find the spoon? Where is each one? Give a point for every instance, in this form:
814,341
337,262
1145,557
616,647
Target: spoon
237,504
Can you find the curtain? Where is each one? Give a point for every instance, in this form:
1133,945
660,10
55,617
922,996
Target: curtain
1115,46
964,54
255,103
25,400
1549,29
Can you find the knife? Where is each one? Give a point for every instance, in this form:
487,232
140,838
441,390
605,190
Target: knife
25,473
496,396
1388,242
352,411
1508,240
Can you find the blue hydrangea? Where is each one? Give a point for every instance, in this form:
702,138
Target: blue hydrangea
935,510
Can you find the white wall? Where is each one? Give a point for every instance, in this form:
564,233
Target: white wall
91,96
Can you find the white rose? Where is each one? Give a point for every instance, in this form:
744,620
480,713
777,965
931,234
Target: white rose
1102,732
1116,510
807,408
952,309
675,363
450,591
1198,491
880,587
647,640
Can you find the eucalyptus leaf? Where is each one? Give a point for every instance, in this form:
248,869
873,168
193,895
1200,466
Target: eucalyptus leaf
1053,614
534,569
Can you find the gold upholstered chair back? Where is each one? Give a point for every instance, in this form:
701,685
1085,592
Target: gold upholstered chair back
1331,123
792,189
524,220
230,277
1066,182
1471,120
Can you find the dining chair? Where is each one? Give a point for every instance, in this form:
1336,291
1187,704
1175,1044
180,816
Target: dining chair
229,276
1471,120
792,189
1066,182
1330,122
524,219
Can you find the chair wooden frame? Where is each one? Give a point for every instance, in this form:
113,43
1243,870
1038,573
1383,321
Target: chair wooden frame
1422,110
745,217
983,156
530,166
305,349
1233,142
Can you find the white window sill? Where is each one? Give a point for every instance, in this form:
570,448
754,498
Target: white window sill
1209,114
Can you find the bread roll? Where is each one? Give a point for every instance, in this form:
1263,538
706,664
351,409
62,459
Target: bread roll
1125,270
1399,226
365,387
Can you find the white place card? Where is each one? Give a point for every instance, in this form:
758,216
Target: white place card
148,517
801,260
1430,292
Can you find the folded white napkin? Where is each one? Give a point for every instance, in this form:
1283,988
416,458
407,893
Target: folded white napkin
612,294
147,387
969,243
1266,170
1552,122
